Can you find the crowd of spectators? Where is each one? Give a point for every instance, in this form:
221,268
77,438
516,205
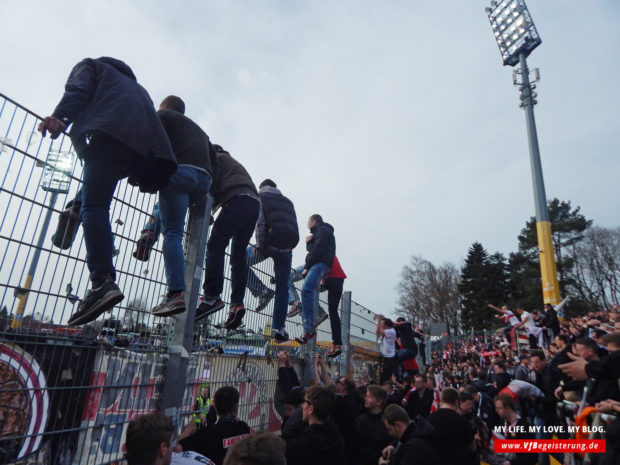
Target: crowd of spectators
448,412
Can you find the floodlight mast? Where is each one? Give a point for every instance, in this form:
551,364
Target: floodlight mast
516,37
55,180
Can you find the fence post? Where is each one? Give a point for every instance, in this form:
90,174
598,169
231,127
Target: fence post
309,349
345,363
180,343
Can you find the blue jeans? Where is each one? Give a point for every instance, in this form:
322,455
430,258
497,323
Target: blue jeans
308,293
106,161
282,269
402,355
236,221
187,185
295,276
154,222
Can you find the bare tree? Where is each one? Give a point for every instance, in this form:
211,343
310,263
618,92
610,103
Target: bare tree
136,315
430,293
597,267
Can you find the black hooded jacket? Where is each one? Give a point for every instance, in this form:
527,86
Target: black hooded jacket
322,247
318,444
102,96
416,445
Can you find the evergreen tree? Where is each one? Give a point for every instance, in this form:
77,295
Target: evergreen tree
567,228
483,281
524,281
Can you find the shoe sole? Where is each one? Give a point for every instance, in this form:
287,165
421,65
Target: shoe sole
262,307
109,300
318,323
237,319
169,312
280,341
302,341
215,309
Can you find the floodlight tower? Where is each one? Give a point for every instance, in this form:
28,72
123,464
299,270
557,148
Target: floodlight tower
516,37
55,180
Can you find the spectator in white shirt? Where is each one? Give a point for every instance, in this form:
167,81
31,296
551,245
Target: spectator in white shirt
387,346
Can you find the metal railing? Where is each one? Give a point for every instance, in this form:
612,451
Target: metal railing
70,392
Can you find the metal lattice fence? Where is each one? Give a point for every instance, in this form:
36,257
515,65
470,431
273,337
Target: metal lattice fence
67,394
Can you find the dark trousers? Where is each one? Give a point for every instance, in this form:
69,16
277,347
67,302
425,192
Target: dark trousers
388,366
106,161
236,221
334,288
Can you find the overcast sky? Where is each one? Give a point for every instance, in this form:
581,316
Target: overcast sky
396,121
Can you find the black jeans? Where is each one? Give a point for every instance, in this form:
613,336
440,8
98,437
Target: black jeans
334,288
236,221
388,367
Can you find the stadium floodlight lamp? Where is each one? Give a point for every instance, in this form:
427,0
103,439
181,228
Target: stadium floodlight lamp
57,171
513,28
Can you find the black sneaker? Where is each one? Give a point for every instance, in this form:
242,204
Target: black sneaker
281,336
264,299
95,302
171,304
207,308
305,337
235,316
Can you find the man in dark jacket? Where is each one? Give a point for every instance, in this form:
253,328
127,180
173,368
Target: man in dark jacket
415,439
277,234
550,320
346,410
419,399
237,196
405,335
454,441
115,131
321,443
500,377
214,440
189,184
371,435
321,247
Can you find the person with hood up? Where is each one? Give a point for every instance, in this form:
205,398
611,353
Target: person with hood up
321,443
415,439
117,134
321,247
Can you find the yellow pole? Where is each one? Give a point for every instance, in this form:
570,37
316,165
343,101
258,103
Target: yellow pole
17,320
550,285
25,290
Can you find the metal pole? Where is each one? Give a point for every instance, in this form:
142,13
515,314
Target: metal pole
310,346
180,344
25,290
345,363
550,287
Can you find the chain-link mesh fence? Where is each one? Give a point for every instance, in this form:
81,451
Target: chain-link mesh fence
68,393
